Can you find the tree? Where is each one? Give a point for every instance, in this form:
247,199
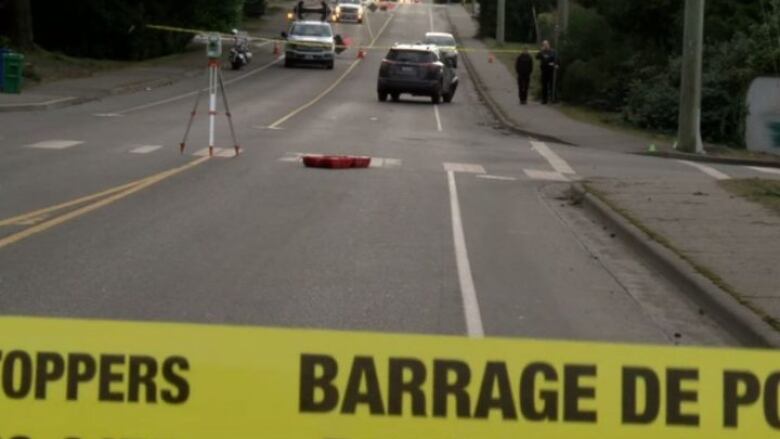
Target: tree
22,27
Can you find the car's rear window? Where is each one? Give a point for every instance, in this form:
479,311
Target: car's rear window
413,56
310,30
440,40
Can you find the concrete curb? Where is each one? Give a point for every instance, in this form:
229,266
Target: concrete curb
494,108
745,325
712,159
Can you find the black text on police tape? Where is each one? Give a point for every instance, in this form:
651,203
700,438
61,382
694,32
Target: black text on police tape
111,377
546,393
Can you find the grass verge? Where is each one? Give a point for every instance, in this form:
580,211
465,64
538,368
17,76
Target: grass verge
763,191
612,121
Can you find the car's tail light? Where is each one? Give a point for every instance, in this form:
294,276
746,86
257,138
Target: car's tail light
384,68
432,70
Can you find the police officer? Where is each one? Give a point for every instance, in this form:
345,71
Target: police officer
524,66
548,60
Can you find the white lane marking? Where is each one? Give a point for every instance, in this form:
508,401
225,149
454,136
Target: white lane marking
712,172
377,162
497,177
193,93
218,152
554,159
392,163
468,168
107,115
545,175
438,117
430,17
467,290
765,170
55,144
145,149
228,152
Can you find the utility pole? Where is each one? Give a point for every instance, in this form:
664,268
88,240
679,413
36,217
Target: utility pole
563,15
501,22
563,21
689,126
22,32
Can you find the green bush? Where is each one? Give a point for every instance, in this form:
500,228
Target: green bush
616,56
652,103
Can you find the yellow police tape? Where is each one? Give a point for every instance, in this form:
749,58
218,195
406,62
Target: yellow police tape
94,379
303,43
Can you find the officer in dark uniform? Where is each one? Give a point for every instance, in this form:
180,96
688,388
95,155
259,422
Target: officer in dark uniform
524,66
300,8
548,61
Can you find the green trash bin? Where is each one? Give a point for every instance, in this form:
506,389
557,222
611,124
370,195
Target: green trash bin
13,64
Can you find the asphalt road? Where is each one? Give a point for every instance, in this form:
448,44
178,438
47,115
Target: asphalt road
460,229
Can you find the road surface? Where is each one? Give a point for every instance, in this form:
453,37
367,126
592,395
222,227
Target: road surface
458,227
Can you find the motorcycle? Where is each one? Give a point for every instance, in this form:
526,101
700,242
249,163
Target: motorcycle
240,55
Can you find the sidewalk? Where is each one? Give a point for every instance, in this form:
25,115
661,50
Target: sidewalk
727,247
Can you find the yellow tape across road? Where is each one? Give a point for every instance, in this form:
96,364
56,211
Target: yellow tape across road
91,379
303,43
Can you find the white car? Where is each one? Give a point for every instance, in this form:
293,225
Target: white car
310,42
349,10
446,44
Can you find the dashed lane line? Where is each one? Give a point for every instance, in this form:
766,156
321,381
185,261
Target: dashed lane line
145,149
55,144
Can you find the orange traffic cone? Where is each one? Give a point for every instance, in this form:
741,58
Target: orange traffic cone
361,53
277,49
491,58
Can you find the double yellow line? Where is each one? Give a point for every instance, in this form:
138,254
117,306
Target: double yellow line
90,203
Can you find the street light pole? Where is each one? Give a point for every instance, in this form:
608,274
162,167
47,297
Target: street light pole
501,22
689,126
